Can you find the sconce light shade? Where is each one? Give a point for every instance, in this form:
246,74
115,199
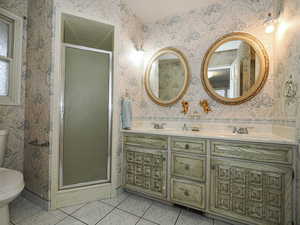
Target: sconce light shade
140,52
269,24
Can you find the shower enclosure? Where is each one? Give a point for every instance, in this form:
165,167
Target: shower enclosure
85,124
82,154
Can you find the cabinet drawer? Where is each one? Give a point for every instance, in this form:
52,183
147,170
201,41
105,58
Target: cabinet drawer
193,167
146,159
146,141
189,145
256,152
188,193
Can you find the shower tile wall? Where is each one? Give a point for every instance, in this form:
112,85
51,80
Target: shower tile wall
12,117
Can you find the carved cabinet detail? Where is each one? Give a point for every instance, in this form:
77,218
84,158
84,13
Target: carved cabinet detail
145,172
253,192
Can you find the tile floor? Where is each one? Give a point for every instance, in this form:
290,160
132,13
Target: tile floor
125,209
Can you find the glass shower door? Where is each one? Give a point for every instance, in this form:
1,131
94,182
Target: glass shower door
86,117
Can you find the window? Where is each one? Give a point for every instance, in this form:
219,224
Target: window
10,58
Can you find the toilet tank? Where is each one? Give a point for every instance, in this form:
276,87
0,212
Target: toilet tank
3,142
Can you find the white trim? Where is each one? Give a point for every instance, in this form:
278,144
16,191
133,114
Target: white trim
15,76
87,48
73,196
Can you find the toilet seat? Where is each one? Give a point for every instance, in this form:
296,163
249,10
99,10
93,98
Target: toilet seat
11,182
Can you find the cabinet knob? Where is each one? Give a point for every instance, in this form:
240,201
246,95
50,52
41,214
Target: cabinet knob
187,166
186,193
213,167
187,146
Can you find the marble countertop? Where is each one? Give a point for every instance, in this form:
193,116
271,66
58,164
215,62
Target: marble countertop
208,134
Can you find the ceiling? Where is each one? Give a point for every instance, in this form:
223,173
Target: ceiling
152,10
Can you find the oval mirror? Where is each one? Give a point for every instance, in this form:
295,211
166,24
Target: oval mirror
235,68
167,77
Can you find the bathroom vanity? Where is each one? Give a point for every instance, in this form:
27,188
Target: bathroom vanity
236,177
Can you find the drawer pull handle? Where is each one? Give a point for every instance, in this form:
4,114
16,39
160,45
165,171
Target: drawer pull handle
187,167
186,193
187,146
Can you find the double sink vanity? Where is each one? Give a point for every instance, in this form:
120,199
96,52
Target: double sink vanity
238,177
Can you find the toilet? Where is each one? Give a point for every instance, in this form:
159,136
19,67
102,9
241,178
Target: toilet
11,182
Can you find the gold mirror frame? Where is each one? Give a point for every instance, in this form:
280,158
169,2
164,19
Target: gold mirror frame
184,63
264,70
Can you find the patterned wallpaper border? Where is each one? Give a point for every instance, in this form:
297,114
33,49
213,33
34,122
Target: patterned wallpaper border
289,123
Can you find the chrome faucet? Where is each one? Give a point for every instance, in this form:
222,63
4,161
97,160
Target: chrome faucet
185,127
158,126
241,130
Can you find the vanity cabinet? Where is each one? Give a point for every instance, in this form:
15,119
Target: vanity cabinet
247,182
252,182
146,167
255,193
188,172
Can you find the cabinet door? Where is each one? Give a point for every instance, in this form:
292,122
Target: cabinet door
253,193
145,172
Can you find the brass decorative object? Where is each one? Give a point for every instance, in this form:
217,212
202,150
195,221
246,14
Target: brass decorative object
154,93
205,106
185,106
245,77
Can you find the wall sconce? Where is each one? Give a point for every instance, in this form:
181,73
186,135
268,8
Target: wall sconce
137,53
140,51
270,24
138,44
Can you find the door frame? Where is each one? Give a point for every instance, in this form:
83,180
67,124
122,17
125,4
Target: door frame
62,104
61,198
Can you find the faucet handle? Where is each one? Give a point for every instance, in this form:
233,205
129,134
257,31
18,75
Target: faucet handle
185,127
155,125
162,125
234,129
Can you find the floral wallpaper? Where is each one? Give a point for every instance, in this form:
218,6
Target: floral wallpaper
37,110
287,53
12,117
288,67
192,33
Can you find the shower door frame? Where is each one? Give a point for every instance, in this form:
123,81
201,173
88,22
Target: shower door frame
62,198
62,106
